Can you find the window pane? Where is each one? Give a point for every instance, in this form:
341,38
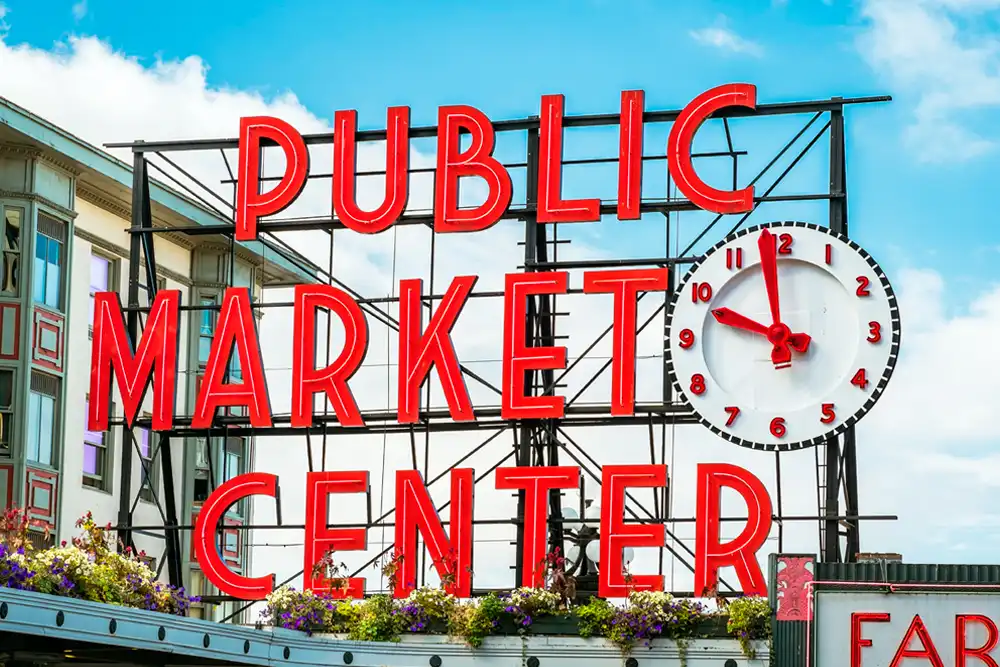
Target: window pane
142,436
34,416
53,271
6,388
11,251
100,273
207,318
94,437
45,426
38,282
204,347
90,460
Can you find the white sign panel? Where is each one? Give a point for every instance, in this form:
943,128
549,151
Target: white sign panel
907,629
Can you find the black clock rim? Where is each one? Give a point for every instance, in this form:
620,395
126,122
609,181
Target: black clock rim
879,388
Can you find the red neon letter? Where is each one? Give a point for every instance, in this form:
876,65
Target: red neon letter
962,649
630,155
625,285
320,539
536,482
518,358
679,149
415,513
417,353
236,328
741,553
251,205
397,154
307,380
927,651
858,641
616,534
477,161
206,549
156,356
551,206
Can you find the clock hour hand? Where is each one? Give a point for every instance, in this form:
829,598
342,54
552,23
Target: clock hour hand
733,319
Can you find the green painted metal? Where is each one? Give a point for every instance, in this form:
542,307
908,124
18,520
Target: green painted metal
908,573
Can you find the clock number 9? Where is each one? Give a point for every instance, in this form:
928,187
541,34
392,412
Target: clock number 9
687,338
697,384
778,427
874,332
701,292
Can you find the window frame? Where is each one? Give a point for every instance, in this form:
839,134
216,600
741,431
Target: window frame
114,277
18,253
8,415
102,481
55,432
63,263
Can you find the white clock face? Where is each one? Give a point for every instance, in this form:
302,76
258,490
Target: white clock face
782,336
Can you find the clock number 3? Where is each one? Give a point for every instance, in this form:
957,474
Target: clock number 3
697,384
874,332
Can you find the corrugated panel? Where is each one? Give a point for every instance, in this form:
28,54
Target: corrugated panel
908,573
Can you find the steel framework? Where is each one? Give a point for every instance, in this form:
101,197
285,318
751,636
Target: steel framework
539,442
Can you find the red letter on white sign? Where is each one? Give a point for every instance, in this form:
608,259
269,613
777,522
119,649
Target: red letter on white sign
551,206
927,650
417,353
858,640
320,539
251,205
518,357
741,553
236,328
307,380
679,149
616,534
536,482
477,161
625,285
205,538
962,649
397,155
415,513
156,355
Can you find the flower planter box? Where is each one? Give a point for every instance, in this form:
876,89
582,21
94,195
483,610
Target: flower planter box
562,625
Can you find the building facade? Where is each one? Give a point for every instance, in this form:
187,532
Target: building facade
65,212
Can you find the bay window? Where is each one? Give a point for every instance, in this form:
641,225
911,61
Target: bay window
42,418
50,239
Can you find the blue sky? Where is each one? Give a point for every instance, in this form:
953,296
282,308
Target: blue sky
921,170
352,55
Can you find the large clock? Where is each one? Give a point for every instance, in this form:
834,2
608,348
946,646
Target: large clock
782,336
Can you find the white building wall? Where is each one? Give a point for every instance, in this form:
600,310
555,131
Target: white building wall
77,498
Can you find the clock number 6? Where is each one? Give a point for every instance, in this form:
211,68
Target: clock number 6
687,338
828,414
874,332
778,427
697,384
701,292
733,413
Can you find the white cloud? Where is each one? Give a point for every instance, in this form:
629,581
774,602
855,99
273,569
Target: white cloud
80,9
927,432
938,54
724,39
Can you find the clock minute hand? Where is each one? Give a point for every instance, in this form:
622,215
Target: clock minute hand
769,267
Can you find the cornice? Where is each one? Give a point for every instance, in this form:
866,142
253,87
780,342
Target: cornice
20,150
65,165
38,199
99,200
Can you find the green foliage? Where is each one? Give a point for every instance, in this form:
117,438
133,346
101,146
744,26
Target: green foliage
749,619
595,617
377,621
476,620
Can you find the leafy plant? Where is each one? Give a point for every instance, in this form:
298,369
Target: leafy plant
596,617
424,607
376,621
475,620
749,619
525,604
